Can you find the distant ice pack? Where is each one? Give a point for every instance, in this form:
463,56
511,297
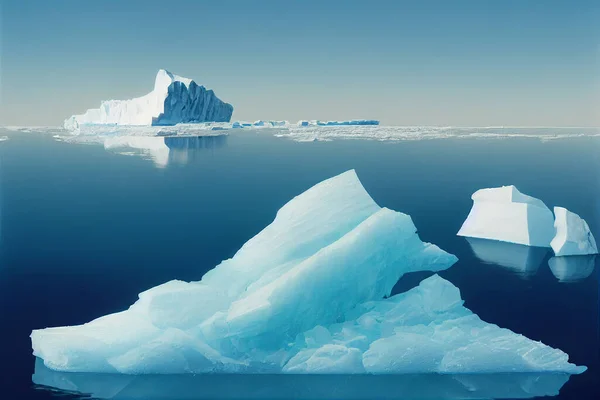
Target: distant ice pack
308,294
173,100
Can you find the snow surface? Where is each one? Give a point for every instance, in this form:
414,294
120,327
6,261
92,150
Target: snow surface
305,295
573,236
507,215
572,268
173,100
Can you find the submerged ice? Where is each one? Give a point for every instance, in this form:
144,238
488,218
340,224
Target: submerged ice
308,294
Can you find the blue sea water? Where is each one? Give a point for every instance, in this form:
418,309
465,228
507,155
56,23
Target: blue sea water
84,230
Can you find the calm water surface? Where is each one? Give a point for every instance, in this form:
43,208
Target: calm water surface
84,230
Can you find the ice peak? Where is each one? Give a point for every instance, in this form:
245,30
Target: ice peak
164,79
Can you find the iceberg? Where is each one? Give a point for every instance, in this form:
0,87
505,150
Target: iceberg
572,268
573,236
507,215
309,294
173,100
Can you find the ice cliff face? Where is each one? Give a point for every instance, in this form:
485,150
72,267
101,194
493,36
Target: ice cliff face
173,100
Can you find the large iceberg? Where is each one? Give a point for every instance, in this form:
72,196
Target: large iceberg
308,294
507,215
173,100
573,235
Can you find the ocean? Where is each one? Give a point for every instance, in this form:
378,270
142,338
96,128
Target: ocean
84,229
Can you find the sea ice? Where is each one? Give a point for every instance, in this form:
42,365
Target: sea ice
308,294
173,100
573,236
507,215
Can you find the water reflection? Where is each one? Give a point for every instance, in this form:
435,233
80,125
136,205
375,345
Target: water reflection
422,386
164,150
185,149
522,260
572,268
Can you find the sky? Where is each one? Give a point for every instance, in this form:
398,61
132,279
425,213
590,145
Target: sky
445,63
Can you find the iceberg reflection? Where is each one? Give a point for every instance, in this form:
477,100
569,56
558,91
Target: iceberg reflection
572,268
164,150
520,259
184,149
414,386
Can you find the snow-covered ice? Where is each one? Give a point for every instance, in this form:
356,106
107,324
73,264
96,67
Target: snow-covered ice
520,259
173,100
305,295
505,214
573,235
572,268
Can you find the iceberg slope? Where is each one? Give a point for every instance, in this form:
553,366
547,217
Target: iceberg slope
507,215
173,100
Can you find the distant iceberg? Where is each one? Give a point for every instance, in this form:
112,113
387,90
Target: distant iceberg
302,123
173,100
507,215
308,294
573,236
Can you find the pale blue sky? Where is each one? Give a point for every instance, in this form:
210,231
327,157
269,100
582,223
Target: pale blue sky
467,63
